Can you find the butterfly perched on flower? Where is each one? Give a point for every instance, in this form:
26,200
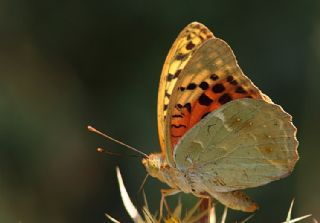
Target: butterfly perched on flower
218,132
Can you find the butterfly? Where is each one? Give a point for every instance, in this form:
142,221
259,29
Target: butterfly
219,134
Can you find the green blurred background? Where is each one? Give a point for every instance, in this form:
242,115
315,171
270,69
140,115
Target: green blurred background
67,64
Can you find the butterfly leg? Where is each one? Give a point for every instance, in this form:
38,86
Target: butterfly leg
206,205
164,194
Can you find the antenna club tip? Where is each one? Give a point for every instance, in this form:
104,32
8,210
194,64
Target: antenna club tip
90,128
100,150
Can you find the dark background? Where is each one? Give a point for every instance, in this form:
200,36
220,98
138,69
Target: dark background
67,64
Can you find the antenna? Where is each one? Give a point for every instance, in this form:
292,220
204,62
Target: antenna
102,150
91,129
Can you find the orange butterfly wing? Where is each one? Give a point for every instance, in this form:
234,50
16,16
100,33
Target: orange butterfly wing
210,79
190,38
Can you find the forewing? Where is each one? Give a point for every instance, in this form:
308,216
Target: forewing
245,143
211,78
180,53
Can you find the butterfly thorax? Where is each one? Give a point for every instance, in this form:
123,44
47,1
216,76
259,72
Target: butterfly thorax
158,167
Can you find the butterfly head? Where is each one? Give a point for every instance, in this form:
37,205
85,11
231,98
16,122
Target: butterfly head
153,163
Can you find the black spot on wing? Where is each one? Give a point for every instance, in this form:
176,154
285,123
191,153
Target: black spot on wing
231,80
234,82
181,88
240,90
214,77
204,100
170,77
190,46
218,88
180,56
188,107
224,98
191,86
204,85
